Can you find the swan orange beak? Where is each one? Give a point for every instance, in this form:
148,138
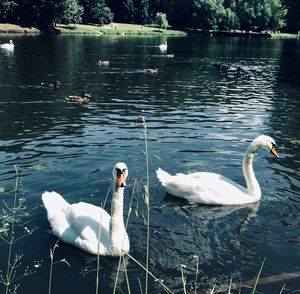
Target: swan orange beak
121,180
274,151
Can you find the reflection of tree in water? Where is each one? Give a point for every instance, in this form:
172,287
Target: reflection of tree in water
285,115
290,62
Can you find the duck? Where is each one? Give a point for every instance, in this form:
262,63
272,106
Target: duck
78,224
83,98
50,85
8,46
215,189
163,47
103,62
170,55
151,71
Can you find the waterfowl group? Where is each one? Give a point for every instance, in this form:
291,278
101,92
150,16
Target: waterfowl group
93,230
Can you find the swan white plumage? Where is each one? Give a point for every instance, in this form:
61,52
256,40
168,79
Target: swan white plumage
214,189
8,46
163,47
78,224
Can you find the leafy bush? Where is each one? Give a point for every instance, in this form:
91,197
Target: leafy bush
161,20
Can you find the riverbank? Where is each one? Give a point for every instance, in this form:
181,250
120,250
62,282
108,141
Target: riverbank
134,30
117,29
7,28
109,29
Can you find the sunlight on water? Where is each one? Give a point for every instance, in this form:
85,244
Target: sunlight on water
202,109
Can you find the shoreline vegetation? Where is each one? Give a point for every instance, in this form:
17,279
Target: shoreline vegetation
134,30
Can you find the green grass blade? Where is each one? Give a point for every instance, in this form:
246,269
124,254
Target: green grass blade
258,275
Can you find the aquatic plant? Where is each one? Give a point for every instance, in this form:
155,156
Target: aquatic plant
52,262
11,218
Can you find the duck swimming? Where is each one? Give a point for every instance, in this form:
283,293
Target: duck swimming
81,99
50,85
103,62
151,71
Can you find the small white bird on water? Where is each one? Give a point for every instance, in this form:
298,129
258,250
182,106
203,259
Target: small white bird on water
8,46
214,189
79,224
163,47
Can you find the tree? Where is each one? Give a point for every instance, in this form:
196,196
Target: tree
208,13
72,12
7,7
116,6
180,13
229,20
161,20
96,11
101,14
38,13
142,11
293,16
128,12
258,15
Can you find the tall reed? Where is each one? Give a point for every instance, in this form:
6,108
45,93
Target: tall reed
147,200
258,276
52,263
99,238
10,218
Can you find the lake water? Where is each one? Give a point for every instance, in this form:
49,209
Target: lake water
199,117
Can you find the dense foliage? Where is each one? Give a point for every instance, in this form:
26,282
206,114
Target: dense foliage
248,15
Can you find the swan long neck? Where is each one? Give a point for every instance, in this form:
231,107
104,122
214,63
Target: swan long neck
116,226
252,184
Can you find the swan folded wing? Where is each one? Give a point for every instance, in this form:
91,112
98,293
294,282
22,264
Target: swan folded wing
185,187
201,187
56,207
84,220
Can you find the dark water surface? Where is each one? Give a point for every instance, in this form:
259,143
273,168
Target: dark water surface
200,118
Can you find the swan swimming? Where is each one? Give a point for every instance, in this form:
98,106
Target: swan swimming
78,224
163,47
214,189
8,46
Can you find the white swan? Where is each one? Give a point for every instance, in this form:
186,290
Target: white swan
78,224
8,46
163,47
212,188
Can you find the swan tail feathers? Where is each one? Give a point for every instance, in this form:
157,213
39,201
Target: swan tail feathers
162,175
53,202
57,210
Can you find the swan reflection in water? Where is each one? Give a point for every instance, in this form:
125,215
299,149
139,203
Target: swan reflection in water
112,272
208,233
